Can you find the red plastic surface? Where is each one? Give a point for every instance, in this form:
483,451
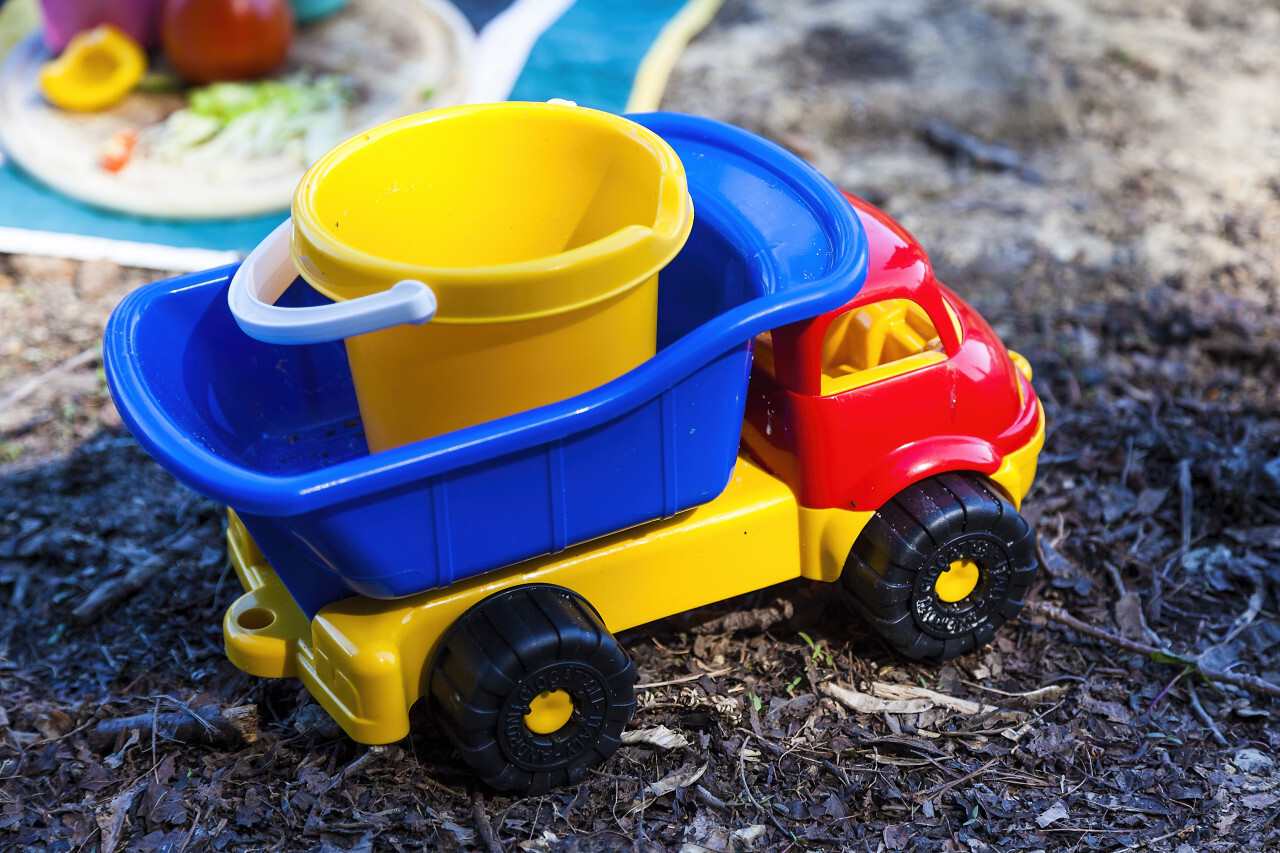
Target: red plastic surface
858,448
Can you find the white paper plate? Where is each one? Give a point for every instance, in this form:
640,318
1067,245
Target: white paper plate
404,56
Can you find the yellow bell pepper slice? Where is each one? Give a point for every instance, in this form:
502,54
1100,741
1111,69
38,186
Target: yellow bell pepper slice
98,68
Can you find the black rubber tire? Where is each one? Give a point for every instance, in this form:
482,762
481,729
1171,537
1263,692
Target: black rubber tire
892,569
505,651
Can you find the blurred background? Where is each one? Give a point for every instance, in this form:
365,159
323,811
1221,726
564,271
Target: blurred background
1100,178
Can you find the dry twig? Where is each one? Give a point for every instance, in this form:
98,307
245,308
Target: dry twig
742,773
1257,599
1187,501
481,819
1246,682
33,384
779,752
709,798
1204,715
209,723
684,679
109,592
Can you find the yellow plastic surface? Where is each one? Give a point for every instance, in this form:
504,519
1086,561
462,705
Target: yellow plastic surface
1018,470
875,342
97,69
1020,361
549,712
413,382
262,629
541,229
960,579
826,537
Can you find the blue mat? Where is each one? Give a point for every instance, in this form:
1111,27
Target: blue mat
591,55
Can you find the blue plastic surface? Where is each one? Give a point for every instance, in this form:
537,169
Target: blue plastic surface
274,431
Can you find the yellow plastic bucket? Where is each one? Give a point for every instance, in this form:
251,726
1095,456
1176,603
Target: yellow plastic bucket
541,229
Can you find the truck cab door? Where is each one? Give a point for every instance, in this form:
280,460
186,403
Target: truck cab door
839,398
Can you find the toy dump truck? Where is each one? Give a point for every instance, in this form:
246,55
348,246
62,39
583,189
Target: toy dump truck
815,404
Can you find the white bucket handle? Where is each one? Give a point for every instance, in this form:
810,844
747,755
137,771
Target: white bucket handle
268,272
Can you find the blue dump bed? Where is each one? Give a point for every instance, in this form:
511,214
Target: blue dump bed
274,432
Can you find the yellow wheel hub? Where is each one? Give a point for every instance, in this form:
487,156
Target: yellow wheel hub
958,581
549,712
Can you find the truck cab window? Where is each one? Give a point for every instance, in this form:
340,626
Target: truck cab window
875,341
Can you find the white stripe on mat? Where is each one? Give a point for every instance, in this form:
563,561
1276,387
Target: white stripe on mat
503,47
124,252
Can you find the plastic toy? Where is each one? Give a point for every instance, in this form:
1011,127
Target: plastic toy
814,405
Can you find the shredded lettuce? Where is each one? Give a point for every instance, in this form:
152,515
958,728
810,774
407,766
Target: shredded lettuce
300,117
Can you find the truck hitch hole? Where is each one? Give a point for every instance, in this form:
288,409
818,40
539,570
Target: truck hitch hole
255,619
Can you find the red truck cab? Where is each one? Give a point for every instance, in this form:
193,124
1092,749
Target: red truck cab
904,402
904,382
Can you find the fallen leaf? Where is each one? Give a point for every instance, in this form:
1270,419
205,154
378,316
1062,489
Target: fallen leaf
659,736
1259,801
1129,617
314,780
896,837
463,835
1016,734
1149,501
163,805
167,770
1113,711
117,758
1054,813
835,808
1048,693
1055,564
52,722
111,819
1252,761
538,845
682,778
760,619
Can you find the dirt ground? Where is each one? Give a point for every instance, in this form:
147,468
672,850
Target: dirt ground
1102,179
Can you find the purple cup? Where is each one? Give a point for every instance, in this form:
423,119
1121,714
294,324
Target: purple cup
139,19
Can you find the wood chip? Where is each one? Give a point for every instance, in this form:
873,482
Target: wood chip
755,621
750,834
